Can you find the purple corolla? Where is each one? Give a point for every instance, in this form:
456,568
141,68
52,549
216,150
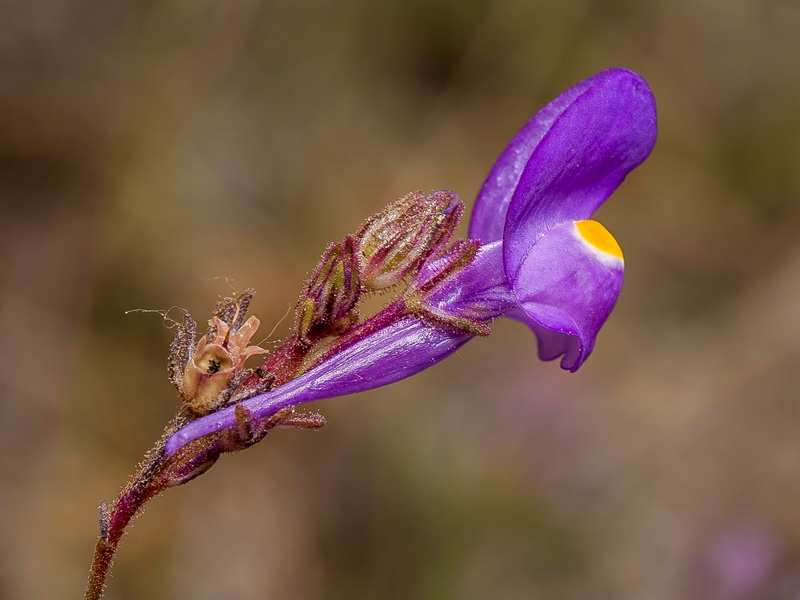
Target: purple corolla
540,258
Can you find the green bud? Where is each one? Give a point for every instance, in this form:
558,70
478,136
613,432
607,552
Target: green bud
327,304
395,242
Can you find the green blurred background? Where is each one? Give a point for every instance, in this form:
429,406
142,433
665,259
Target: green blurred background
168,152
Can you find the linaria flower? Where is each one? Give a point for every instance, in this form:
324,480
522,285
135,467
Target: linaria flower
534,255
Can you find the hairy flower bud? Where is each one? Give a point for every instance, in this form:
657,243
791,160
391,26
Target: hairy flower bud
395,242
327,303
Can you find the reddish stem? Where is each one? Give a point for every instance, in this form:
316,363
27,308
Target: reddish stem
144,485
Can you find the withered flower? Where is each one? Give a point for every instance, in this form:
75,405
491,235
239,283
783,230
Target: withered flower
206,375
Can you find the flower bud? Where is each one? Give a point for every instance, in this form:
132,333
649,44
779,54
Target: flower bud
330,295
396,241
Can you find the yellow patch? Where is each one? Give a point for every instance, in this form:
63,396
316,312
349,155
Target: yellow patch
599,237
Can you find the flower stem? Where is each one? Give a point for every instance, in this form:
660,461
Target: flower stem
158,471
144,485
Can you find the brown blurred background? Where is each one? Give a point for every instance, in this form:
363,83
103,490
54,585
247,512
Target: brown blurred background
167,152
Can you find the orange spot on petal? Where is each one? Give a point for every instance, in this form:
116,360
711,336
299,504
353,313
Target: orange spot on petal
598,236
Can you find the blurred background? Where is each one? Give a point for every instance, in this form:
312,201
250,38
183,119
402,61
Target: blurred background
165,153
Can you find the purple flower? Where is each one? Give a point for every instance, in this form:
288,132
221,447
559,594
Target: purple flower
540,260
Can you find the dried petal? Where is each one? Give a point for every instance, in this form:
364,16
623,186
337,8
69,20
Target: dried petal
181,351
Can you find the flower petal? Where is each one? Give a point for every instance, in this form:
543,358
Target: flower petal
587,152
566,287
489,214
388,355
479,291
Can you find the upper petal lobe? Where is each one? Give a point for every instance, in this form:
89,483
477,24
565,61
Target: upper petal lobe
586,153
